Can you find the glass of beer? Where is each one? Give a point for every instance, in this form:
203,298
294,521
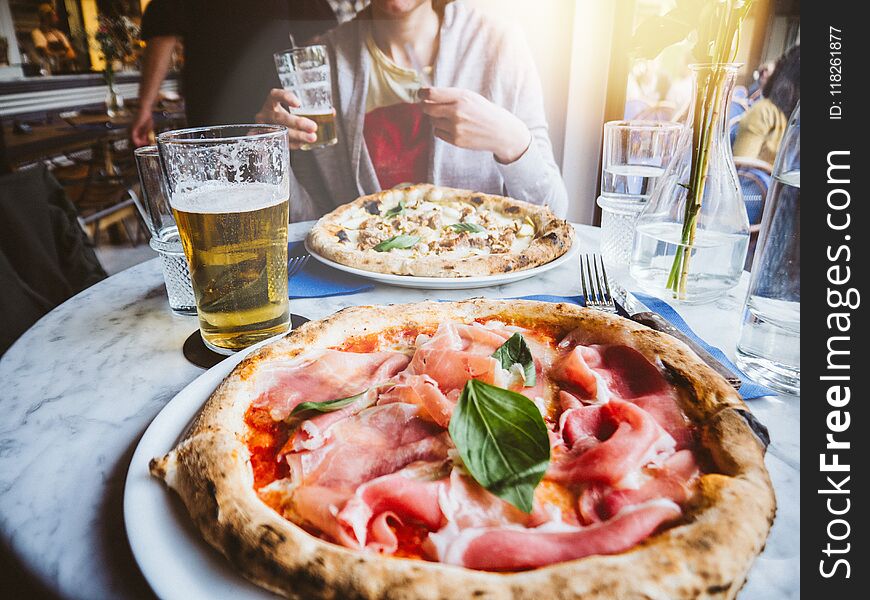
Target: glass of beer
229,191
305,72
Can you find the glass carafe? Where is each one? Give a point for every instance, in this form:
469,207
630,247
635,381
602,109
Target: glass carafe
670,258
769,349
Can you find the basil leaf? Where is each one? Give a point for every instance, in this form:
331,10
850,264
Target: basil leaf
396,210
515,351
327,406
397,241
503,441
469,227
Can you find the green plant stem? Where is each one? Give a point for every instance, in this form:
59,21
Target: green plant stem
718,40
701,174
706,115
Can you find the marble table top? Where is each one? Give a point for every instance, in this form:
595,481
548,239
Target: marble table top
79,388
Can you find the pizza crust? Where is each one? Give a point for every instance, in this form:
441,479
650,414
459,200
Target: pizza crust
553,237
707,555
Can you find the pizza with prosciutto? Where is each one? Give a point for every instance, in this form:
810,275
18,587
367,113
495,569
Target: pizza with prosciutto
477,449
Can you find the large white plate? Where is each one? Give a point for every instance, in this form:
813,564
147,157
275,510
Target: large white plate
176,561
449,283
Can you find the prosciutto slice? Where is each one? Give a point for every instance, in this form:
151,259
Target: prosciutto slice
514,548
376,441
457,353
311,433
672,480
574,369
316,506
599,372
329,375
423,391
606,442
466,504
411,493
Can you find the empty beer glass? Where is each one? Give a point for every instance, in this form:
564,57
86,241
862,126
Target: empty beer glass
229,191
305,72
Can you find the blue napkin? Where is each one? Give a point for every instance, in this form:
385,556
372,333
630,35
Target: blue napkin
749,390
317,280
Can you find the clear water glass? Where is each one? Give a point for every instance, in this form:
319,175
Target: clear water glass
154,207
618,217
769,345
634,157
176,274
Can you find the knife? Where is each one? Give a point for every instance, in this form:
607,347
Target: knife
638,312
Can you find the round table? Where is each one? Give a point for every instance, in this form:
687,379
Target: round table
80,387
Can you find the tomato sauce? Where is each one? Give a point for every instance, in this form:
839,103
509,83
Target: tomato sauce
380,340
548,334
265,438
410,536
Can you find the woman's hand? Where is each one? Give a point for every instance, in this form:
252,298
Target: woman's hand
468,120
302,130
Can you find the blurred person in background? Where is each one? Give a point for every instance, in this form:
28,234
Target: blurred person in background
228,48
762,127
50,43
760,77
474,118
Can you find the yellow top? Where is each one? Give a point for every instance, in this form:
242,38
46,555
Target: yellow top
760,131
389,83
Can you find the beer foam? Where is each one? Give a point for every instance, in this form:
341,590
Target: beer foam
221,197
317,111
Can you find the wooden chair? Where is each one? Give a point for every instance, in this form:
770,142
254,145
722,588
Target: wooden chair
103,187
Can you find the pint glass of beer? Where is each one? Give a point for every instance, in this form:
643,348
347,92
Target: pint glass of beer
305,72
229,191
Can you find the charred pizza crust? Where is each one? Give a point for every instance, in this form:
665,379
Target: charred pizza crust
706,555
552,238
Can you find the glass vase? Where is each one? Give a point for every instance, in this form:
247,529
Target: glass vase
114,101
691,239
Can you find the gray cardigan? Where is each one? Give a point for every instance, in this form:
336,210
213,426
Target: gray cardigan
475,53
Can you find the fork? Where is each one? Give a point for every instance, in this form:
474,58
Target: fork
296,264
594,283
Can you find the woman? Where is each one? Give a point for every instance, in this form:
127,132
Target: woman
484,107
763,125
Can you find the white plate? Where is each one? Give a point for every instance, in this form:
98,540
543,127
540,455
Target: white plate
176,561
449,283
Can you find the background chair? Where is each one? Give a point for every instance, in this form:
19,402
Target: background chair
45,257
101,183
632,108
755,178
661,111
736,110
